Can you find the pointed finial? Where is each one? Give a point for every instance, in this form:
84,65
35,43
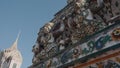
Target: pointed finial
18,36
14,46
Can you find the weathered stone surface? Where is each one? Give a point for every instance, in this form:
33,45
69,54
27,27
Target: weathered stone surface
74,23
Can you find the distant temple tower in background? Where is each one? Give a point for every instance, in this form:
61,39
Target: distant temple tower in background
11,57
84,34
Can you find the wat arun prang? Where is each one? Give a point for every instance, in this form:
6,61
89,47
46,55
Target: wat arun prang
84,34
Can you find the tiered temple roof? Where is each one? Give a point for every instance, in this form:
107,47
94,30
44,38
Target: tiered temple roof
78,33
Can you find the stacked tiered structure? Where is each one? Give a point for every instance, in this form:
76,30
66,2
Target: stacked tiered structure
11,57
84,34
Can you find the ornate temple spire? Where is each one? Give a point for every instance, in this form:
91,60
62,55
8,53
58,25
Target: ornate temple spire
14,46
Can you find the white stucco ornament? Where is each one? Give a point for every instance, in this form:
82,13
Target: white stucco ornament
11,57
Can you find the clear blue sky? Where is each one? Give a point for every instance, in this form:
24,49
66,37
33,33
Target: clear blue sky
27,16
